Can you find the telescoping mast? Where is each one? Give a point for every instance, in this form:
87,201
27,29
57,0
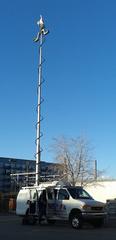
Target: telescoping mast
39,39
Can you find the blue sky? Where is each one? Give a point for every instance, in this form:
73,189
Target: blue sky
80,74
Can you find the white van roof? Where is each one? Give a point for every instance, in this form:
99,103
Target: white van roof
44,185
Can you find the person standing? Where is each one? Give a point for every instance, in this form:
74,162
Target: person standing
42,204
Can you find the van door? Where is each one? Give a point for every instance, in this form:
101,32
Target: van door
51,202
33,201
21,203
62,203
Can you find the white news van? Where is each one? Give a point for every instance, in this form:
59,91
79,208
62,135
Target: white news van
68,203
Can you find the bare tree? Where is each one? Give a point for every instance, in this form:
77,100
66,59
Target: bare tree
74,156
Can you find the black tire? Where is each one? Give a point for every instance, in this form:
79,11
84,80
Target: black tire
76,220
29,219
24,220
98,223
51,221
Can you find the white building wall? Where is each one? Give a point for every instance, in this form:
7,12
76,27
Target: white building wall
102,190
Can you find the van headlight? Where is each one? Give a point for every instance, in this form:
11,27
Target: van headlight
86,207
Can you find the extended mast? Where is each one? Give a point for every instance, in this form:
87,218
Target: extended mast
40,35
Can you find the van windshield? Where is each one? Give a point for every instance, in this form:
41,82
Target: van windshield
79,193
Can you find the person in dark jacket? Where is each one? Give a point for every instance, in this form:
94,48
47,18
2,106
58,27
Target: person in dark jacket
42,203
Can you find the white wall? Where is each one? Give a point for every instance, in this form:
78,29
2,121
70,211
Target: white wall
102,190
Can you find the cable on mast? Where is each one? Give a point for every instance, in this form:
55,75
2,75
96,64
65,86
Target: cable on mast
39,38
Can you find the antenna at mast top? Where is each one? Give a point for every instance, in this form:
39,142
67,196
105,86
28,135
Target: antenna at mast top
43,31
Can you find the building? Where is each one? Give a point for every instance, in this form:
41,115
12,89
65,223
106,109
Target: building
102,190
10,166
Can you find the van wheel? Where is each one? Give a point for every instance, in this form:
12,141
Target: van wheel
24,221
76,220
28,220
31,220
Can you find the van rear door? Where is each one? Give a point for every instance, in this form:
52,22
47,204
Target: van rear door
21,203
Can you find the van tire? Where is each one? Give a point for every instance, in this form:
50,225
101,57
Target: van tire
76,220
29,219
24,221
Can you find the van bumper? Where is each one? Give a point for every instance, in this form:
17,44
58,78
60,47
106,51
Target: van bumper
89,215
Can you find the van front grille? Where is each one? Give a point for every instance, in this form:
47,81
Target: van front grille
97,208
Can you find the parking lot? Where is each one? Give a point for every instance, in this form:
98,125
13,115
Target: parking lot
11,228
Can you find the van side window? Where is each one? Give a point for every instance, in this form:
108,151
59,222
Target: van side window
55,193
50,195
63,195
35,196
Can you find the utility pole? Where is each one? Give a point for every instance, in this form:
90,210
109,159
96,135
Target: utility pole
41,34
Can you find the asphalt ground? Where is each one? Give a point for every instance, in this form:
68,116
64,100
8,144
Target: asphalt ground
11,228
